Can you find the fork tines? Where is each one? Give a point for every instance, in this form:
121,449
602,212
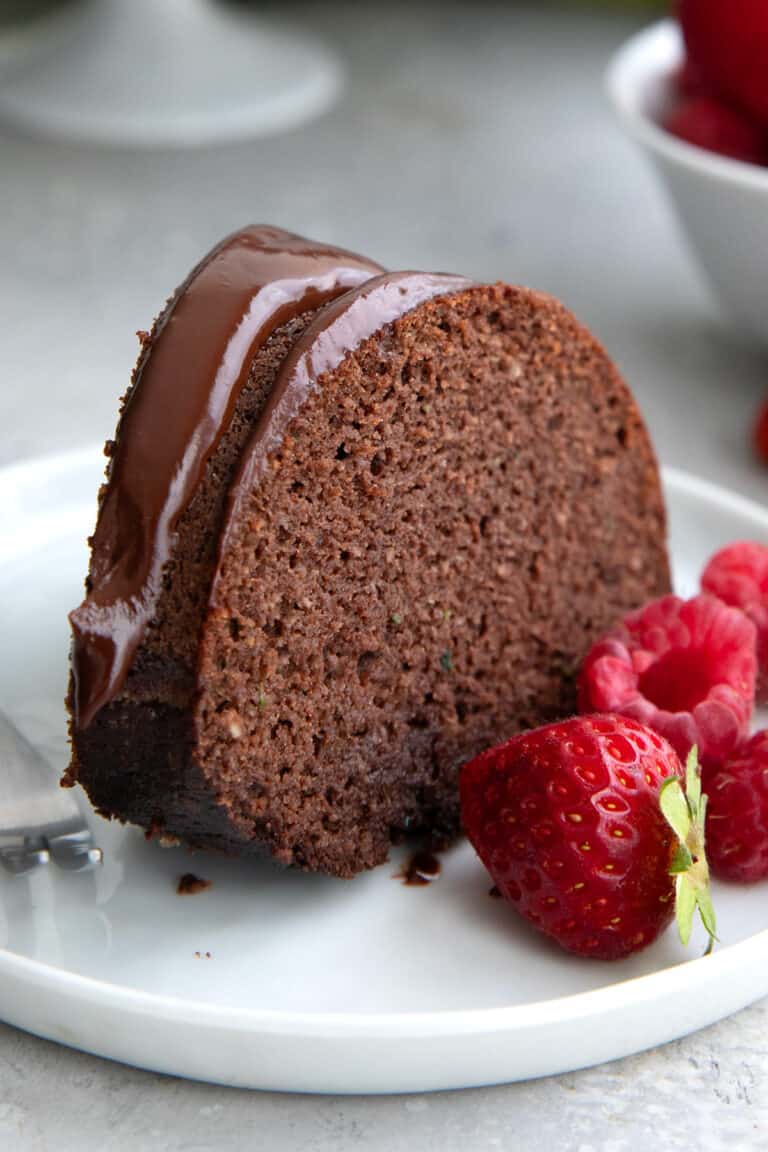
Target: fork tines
73,851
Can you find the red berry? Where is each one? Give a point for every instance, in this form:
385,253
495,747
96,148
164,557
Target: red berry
738,575
688,80
566,819
737,813
727,42
710,124
760,434
686,668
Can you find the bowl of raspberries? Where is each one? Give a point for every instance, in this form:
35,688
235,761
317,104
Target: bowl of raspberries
693,92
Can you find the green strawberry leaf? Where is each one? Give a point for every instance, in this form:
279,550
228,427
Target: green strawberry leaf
693,782
685,907
685,812
707,913
681,861
675,808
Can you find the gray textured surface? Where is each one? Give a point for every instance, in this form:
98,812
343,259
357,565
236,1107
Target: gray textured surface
707,1093
472,137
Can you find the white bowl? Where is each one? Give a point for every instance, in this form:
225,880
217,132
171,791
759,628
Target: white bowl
722,204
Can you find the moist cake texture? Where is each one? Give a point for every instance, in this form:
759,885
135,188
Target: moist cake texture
431,497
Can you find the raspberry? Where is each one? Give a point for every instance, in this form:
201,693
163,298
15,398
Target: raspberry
738,575
686,668
727,43
688,80
708,123
737,813
580,824
760,434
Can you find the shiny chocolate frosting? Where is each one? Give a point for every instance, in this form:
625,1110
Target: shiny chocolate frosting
186,384
337,330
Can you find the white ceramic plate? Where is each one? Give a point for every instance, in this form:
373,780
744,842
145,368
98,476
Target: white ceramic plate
278,980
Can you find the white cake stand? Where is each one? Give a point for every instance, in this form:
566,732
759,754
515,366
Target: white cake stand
165,73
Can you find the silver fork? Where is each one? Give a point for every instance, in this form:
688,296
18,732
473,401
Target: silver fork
40,822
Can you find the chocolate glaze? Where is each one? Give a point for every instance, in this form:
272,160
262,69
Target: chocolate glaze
189,375
338,329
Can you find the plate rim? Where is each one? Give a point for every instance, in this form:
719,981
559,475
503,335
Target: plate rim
49,979
390,1025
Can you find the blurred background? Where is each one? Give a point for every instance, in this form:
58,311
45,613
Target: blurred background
469,136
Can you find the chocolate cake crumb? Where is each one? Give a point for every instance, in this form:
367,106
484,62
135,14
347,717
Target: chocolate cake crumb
190,885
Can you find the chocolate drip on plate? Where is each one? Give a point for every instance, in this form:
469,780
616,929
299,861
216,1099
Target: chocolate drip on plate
420,869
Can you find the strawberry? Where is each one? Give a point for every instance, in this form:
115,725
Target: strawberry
727,44
738,575
581,825
737,815
686,668
709,123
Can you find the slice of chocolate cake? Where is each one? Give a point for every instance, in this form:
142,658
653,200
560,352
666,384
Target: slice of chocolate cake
389,548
